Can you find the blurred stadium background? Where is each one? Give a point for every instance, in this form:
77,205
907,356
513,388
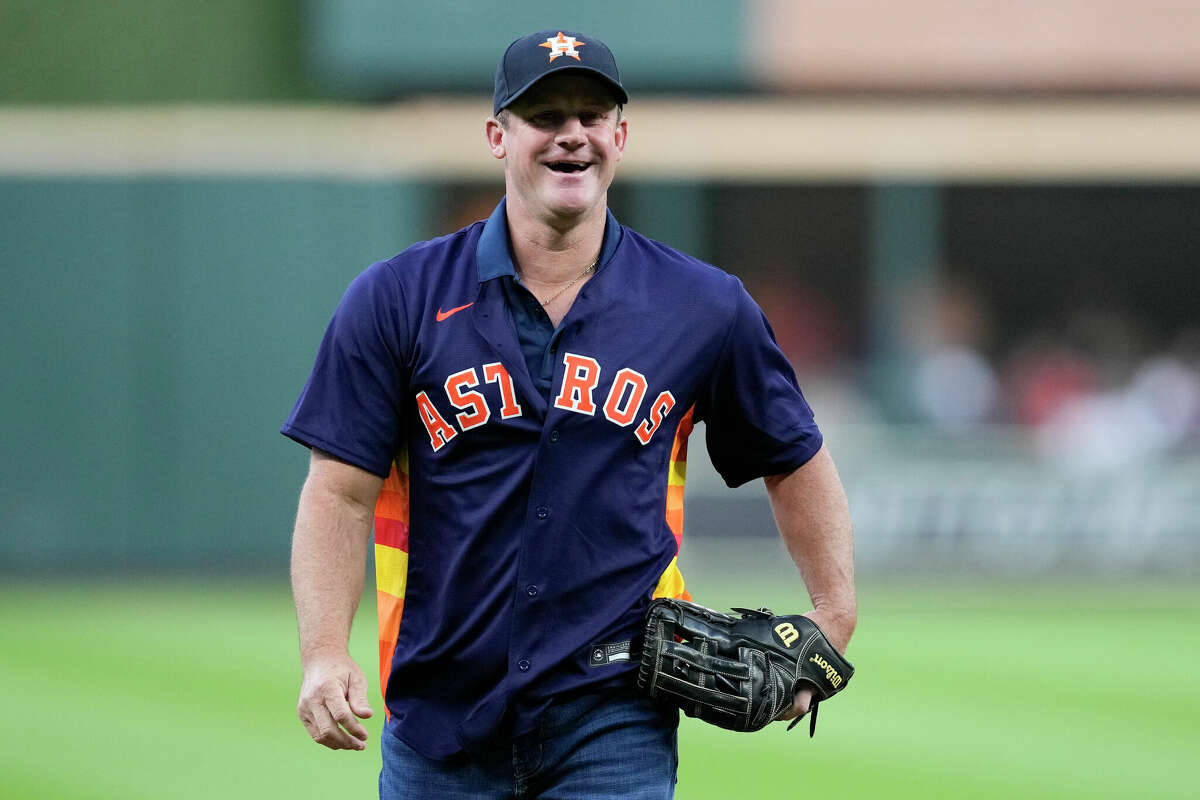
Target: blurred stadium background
974,226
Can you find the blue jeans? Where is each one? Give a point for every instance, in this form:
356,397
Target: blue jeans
613,745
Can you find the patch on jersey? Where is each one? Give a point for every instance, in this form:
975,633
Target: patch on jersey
563,46
610,653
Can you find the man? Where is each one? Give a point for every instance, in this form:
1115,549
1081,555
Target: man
513,401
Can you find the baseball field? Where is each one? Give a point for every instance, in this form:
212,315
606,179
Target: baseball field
978,688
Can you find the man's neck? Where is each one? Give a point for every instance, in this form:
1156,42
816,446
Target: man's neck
548,254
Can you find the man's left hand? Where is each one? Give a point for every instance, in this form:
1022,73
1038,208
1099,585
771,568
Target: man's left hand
838,632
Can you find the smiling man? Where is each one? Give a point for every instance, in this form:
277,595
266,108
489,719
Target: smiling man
510,405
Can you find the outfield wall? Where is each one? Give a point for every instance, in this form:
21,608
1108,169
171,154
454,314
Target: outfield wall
158,331
923,501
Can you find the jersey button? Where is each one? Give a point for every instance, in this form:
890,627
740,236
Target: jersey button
542,512
523,665
531,590
554,436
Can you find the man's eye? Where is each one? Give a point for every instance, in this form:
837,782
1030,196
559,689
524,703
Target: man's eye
545,119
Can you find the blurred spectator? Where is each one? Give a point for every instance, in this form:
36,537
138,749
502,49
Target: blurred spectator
953,384
1129,411
813,334
807,326
1044,376
955,387
1169,388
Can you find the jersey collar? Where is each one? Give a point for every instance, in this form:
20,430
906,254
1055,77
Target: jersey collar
494,258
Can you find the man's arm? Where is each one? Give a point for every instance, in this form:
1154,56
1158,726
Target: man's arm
814,519
329,556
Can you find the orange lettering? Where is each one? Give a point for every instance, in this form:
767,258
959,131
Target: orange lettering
439,430
635,383
496,373
661,407
579,381
455,386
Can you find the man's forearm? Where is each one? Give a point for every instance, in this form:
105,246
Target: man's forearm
814,519
329,552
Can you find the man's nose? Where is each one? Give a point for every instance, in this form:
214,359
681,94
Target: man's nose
571,133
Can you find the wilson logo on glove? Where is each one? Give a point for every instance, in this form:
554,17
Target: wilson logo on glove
787,633
830,672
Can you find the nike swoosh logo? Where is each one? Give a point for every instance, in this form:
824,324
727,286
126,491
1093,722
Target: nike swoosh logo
442,316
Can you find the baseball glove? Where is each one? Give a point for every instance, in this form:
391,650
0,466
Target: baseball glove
738,673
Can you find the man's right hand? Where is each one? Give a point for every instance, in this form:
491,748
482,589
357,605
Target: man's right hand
333,696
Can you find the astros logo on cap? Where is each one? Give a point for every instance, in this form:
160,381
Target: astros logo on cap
563,46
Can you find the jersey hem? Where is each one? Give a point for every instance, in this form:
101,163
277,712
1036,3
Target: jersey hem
787,465
310,441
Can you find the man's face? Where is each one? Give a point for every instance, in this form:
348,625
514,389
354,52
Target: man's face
561,147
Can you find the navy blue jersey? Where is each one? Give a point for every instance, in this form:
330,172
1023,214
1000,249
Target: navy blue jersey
519,537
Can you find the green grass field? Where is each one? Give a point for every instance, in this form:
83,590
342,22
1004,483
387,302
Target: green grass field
125,690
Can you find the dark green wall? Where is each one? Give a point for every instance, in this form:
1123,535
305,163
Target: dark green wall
133,51
157,333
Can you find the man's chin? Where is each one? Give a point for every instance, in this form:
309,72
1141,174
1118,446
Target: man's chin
575,200
575,204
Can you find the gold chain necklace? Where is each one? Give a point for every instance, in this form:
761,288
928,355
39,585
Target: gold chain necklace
570,283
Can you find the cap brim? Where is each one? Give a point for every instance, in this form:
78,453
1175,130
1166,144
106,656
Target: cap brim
619,93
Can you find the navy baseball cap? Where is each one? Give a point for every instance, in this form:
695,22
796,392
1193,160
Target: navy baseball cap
533,57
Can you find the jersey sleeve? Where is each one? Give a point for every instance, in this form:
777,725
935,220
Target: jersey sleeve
756,419
352,403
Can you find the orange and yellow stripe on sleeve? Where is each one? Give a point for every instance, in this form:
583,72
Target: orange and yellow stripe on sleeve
671,583
391,561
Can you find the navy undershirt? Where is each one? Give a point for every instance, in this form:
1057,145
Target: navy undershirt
537,336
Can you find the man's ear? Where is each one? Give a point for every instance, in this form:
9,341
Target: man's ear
494,132
620,136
